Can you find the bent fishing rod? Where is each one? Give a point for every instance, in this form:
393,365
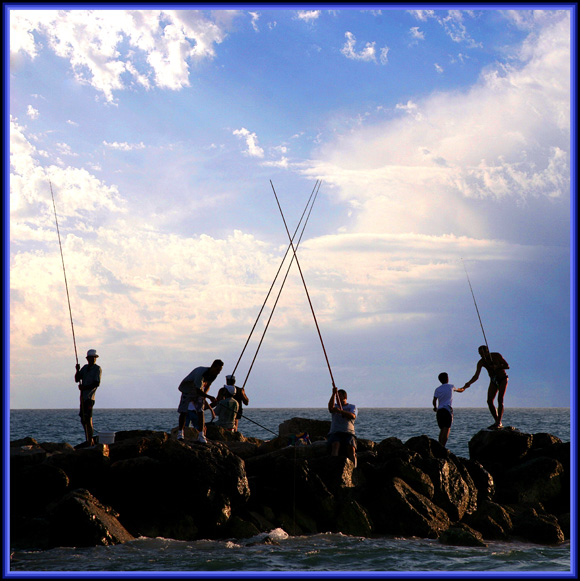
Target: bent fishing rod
68,297
282,285
318,182
475,303
307,293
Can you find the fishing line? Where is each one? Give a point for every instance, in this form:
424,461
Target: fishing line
281,287
304,283
475,303
277,273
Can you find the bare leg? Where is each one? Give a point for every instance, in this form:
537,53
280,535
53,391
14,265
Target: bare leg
500,395
181,423
491,393
444,436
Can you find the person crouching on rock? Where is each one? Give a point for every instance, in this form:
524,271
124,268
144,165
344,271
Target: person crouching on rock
227,407
342,432
443,405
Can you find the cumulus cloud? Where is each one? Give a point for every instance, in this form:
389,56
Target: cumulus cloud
108,48
507,138
251,139
308,15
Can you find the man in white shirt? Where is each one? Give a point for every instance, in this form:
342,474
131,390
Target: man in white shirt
443,405
342,431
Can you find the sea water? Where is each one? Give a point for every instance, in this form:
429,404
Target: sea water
276,553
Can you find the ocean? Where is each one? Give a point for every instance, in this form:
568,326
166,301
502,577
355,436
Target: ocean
276,553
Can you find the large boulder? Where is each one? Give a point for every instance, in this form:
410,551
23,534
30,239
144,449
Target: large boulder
80,520
498,450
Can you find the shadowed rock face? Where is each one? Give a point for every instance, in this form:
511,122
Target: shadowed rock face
147,483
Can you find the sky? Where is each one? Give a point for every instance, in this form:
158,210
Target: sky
440,147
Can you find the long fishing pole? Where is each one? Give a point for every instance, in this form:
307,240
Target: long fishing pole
305,288
475,303
64,272
282,285
275,278
69,307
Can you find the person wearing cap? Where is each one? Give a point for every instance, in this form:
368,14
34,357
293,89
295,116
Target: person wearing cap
194,388
89,378
227,407
240,396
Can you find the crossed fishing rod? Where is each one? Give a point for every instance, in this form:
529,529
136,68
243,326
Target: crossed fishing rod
309,204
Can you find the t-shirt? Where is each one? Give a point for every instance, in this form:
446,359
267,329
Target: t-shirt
444,396
340,424
226,409
90,377
192,383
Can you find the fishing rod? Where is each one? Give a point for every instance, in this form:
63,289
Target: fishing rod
475,303
318,182
69,307
306,289
282,285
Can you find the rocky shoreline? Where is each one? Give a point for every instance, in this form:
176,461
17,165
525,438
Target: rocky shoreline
513,486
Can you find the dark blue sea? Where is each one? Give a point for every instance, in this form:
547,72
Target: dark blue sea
323,555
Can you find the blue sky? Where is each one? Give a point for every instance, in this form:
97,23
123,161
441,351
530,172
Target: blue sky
442,140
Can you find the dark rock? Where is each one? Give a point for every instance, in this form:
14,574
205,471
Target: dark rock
532,524
491,520
80,520
400,510
149,483
463,536
498,450
314,428
535,481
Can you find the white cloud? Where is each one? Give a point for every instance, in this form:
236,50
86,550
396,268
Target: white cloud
251,139
368,53
308,15
416,34
32,112
124,146
255,17
94,43
505,138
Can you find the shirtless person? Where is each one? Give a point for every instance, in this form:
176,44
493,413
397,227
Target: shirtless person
496,366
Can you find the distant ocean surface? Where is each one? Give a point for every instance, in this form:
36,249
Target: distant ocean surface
322,553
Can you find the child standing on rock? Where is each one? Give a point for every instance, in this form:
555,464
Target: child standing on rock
443,405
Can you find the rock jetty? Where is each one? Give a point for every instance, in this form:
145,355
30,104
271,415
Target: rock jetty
513,486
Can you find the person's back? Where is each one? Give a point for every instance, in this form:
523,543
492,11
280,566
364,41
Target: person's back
226,409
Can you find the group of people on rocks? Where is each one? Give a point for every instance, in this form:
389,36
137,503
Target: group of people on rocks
227,405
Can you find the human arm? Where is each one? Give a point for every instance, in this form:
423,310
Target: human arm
434,404
476,376
245,398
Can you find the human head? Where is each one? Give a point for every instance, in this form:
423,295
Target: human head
483,350
92,355
230,380
342,395
443,377
218,365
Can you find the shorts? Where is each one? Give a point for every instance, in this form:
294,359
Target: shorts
198,402
86,411
345,438
444,418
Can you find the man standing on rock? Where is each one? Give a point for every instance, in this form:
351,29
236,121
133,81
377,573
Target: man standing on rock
443,405
342,424
89,378
496,366
194,389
